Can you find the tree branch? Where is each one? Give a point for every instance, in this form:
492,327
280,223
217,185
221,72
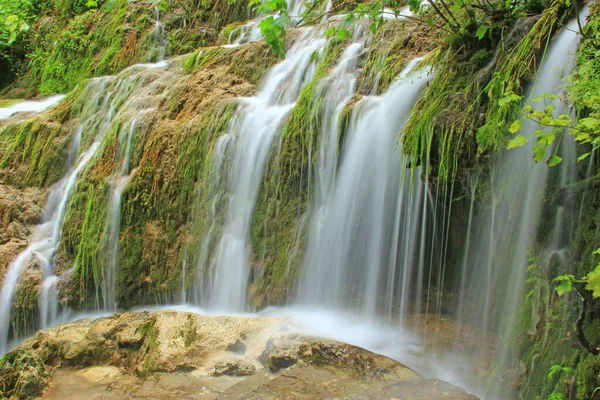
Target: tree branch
579,324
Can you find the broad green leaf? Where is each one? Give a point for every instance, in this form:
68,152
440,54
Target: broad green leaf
481,31
590,123
539,152
564,287
583,137
553,161
342,34
517,141
593,282
329,32
515,126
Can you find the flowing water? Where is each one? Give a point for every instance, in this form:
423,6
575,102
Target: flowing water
104,98
30,106
247,146
378,234
368,211
498,251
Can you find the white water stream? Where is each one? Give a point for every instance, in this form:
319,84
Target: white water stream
35,106
367,251
247,146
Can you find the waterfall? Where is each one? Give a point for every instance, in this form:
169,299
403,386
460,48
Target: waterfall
361,230
43,247
104,98
247,145
118,184
157,51
498,248
30,106
378,233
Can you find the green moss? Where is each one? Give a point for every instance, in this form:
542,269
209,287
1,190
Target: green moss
70,43
248,62
33,152
279,222
459,117
513,70
389,51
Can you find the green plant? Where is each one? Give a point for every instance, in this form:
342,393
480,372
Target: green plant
591,280
551,127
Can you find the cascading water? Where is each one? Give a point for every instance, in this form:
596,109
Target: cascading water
359,245
157,51
30,106
141,101
370,217
105,98
43,247
120,181
247,145
498,247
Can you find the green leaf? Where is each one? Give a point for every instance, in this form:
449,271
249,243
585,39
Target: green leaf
539,152
518,141
508,98
564,287
593,282
583,137
583,157
553,161
516,127
565,284
590,123
481,31
556,369
342,34
414,5
330,32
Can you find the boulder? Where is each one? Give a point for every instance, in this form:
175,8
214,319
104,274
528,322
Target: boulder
170,354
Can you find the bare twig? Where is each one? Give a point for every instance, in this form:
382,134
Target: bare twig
579,324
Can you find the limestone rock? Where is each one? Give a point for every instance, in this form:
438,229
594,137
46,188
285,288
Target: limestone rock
169,354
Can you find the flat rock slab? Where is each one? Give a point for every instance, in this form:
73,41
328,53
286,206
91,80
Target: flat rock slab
170,354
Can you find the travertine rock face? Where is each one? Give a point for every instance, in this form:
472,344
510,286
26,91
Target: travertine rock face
170,354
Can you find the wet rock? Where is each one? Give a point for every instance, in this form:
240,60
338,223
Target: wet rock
233,368
170,354
433,389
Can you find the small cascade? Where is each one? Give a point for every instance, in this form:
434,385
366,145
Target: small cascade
35,106
247,33
42,248
118,184
360,243
105,98
149,87
246,147
157,51
498,246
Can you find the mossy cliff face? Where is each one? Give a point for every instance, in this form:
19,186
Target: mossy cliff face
175,118
70,41
176,114
548,338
